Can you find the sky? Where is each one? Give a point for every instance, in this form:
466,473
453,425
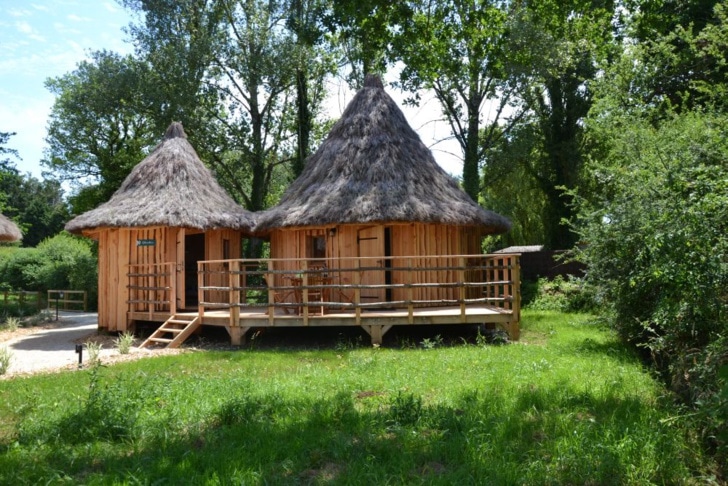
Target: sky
41,39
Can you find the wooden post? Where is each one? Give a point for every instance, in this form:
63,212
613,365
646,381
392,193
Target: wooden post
234,292
304,293
172,288
461,277
410,297
200,291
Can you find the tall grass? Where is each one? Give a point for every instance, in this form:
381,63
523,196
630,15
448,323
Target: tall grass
566,405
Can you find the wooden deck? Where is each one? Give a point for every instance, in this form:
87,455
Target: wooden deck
235,294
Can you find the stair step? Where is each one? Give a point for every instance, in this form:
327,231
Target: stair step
179,321
160,340
169,329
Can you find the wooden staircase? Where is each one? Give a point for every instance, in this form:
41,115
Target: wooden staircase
174,331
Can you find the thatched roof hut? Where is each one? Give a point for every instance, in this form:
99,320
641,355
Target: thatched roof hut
373,168
170,187
169,214
9,231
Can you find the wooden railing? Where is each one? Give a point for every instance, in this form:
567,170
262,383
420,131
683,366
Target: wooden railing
68,300
152,288
305,287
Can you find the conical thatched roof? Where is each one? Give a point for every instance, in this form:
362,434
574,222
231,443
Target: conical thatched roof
9,231
170,187
373,168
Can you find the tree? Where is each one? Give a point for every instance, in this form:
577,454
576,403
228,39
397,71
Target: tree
655,217
36,206
99,126
458,48
312,65
363,31
560,48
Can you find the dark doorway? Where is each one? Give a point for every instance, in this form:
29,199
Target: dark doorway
194,252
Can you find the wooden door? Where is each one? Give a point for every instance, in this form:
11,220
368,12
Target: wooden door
370,243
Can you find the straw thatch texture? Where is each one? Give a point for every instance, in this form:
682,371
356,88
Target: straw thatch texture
170,187
373,168
9,231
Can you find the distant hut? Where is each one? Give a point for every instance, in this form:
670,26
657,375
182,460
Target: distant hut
168,214
373,189
9,231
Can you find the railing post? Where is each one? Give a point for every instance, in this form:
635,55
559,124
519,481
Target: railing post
304,290
461,278
200,290
357,292
234,292
410,296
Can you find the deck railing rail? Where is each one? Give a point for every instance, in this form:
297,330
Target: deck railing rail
307,287
152,287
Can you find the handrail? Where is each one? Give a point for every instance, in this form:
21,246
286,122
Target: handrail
152,287
356,284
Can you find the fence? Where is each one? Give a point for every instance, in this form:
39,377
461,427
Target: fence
68,300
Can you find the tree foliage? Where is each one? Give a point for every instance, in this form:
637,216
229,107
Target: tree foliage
654,220
99,126
459,49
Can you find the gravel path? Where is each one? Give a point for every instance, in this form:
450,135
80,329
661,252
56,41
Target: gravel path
53,347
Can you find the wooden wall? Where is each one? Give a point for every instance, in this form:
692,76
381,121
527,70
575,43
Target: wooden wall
344,243
121,247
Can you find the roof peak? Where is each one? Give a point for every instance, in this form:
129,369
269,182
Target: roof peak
175,130
373,81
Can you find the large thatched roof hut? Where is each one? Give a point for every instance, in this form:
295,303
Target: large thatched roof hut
373,190
168,214
9,231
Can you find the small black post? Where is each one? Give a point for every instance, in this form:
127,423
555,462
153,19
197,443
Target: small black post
57,297
79,352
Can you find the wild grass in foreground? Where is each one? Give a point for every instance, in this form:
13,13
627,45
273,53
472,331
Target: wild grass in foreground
565,406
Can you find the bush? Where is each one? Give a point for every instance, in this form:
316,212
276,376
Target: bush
61,262
560,294
658,250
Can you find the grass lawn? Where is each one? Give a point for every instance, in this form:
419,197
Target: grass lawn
566,405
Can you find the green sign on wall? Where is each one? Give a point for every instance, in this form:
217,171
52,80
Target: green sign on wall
149,242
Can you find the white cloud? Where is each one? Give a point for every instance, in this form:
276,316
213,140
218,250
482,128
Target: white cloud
110,7
16,12
25,28
78,18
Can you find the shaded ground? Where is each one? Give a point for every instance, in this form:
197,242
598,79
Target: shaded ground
52,345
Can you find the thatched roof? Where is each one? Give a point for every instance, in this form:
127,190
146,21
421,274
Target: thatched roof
373,168
9,231
170,187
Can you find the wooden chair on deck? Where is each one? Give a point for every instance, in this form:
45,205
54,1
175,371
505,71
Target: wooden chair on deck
281,296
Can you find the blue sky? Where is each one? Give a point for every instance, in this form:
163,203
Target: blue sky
41,39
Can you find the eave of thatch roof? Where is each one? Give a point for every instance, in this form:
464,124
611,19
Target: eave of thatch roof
373,168
170,187
9,231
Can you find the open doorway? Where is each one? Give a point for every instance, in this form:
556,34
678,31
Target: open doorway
194,252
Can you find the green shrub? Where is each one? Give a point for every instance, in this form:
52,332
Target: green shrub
124,342
559,294
61,262
6,357
657,250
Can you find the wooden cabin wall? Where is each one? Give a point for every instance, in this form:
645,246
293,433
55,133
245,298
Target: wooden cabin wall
415,240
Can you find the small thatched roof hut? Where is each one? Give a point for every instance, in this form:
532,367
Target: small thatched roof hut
373,168
373,194
168,214
9,231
